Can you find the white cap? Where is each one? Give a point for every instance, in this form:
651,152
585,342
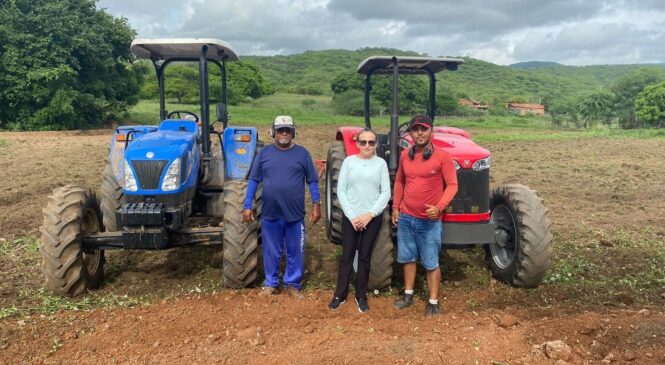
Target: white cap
283,121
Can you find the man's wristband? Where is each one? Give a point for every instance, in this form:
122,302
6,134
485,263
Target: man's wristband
316,202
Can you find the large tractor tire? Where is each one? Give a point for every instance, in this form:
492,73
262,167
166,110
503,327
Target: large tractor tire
71,214
334,213
522,247
112,197
240,239
383,257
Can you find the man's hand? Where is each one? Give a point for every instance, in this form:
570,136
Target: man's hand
395,216
316,213
432,211
247,215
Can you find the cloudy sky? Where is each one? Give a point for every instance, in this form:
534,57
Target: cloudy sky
573,32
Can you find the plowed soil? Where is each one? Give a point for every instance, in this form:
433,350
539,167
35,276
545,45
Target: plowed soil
591,187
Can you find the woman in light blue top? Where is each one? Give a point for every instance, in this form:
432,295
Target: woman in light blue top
363,190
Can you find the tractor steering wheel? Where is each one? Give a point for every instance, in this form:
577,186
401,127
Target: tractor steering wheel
186,113
401,130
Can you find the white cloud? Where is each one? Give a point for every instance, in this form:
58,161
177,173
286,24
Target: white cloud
503,32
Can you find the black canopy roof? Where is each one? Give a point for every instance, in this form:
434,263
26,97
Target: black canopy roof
408,64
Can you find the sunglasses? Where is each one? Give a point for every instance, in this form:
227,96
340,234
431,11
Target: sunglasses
364,142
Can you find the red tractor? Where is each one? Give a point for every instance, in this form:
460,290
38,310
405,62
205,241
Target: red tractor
510,221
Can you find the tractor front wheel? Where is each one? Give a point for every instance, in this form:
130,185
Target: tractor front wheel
334,213
240,238
112,197
72,213
383,256
522,245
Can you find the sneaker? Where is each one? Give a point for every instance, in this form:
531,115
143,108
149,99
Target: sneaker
362,305
267,291
405,301
336,302
294,292
432,309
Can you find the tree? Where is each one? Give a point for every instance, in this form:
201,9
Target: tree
351,102
595,107
63,64
650,105
626,90
412,91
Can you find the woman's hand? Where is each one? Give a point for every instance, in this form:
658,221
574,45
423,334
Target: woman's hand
363,221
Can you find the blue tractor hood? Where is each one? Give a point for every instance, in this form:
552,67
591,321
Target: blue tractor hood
150,155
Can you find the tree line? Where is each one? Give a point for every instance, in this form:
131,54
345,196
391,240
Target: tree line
65,64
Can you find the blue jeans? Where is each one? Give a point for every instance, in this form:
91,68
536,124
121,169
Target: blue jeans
419,238
276,235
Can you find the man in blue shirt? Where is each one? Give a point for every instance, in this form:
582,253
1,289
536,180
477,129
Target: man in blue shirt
283,167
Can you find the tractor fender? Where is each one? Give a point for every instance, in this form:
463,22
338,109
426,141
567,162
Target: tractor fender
239,150
347,136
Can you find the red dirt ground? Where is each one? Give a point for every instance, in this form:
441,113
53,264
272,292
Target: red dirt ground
587,185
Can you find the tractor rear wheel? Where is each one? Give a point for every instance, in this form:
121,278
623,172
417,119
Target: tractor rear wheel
112,197
72,213
240,239
522,246
383,257
334,213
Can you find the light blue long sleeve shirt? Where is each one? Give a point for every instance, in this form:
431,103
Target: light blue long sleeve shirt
363,186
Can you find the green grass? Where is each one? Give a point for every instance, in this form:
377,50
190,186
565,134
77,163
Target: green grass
315,110
44,303
19,247
3,143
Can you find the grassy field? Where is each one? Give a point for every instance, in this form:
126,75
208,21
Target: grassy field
315,110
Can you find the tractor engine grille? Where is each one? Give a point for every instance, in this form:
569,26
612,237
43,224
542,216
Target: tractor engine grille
472,193
148,173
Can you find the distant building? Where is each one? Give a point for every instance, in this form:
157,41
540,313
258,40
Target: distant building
472,104
523,109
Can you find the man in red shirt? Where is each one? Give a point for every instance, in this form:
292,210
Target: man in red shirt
425,184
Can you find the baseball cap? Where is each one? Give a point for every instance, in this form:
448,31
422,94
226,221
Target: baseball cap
283,121
422,120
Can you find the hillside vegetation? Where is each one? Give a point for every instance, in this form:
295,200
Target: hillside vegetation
311,72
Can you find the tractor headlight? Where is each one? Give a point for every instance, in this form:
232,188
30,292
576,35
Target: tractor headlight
480,165
172,178
457,167
130,180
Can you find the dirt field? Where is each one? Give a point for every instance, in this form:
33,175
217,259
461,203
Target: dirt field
604,296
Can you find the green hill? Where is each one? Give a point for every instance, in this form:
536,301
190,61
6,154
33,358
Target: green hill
311,73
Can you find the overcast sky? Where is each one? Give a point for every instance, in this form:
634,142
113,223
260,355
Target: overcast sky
572,32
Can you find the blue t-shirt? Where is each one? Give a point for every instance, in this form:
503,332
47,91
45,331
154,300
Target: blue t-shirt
283,173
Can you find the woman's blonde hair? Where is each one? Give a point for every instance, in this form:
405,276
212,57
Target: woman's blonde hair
365,130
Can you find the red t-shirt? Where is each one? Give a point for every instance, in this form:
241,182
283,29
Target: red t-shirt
420,182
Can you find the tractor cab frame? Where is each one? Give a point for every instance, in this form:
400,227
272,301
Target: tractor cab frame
510,221
163,186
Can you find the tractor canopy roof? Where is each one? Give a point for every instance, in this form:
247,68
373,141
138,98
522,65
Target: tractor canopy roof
182,48
408,64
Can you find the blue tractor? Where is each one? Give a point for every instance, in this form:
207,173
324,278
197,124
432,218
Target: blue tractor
162,187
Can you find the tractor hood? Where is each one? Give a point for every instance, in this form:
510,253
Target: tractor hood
160,145
456,142
150,155
173,139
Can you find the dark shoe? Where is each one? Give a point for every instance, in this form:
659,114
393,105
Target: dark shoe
336,302
432,309
362,305
294,292
405,301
